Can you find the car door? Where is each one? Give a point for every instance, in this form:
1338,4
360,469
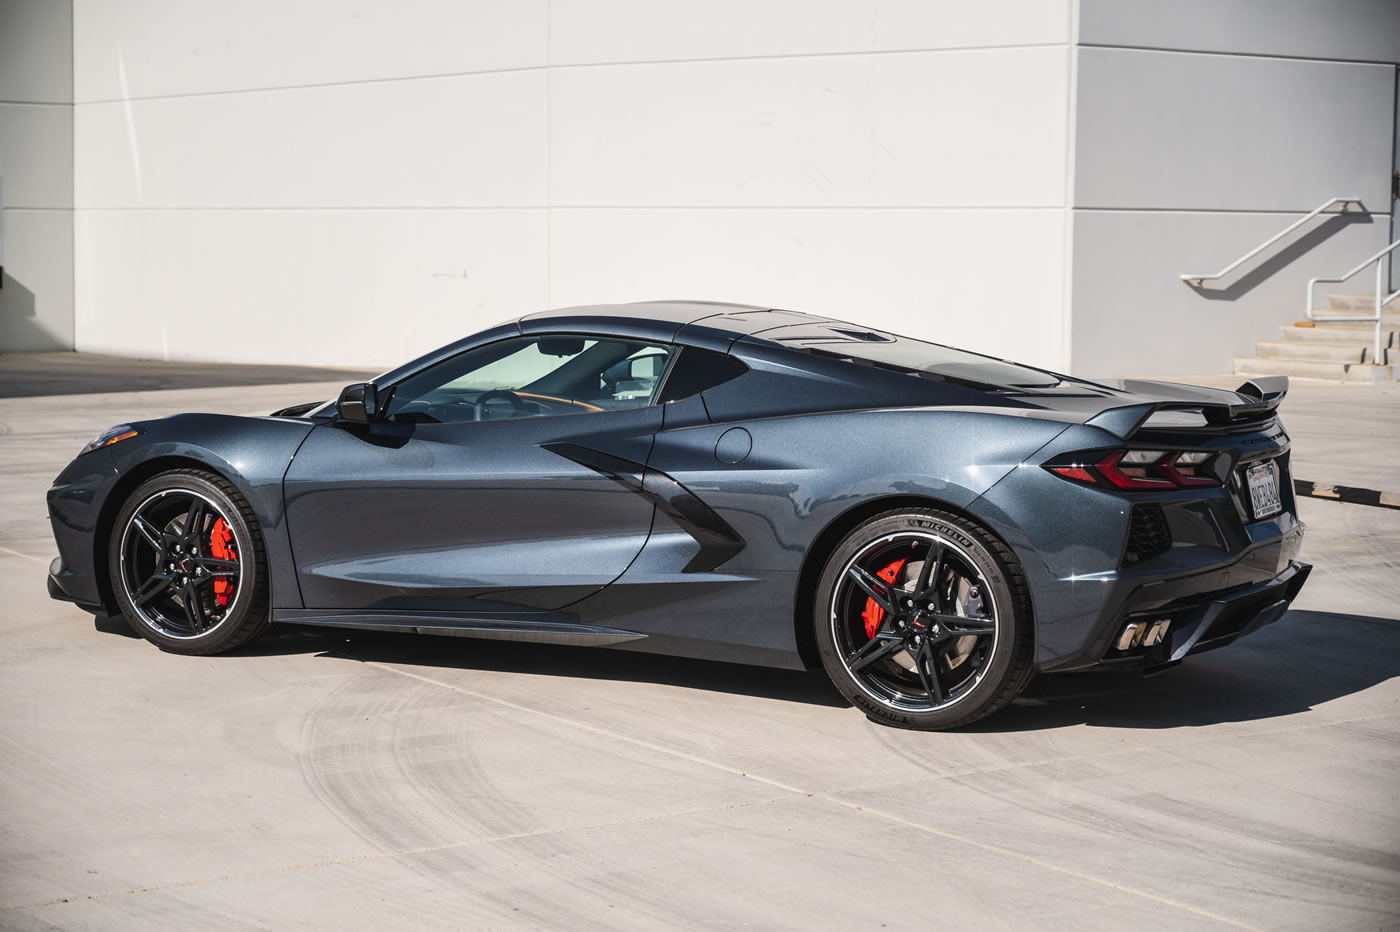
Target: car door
455,498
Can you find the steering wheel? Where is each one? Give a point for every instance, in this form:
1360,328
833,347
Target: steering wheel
517,406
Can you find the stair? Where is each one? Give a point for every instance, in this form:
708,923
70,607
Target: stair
1338,350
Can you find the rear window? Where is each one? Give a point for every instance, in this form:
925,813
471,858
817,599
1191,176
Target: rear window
905,354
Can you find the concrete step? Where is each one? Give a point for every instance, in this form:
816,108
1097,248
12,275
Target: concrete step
1358,302
1309,369
1317,352
1344,335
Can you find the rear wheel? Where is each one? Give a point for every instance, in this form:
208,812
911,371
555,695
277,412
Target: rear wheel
187,564
923,620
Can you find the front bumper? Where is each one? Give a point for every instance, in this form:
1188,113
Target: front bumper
68,586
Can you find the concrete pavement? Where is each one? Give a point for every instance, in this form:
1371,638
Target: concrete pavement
354,780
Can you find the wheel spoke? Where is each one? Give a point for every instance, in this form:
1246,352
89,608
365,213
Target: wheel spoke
153,537
930,571
873,650
874,587
928,672
151,588
967,624
213,566
194,521
194,611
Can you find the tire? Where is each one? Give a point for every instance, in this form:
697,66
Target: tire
960,642
201,591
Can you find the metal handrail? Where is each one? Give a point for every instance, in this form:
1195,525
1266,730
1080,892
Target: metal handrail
1197,279
1382,299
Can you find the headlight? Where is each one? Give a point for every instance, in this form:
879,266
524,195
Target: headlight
110,436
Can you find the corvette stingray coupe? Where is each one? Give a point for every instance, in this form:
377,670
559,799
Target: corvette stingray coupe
721,481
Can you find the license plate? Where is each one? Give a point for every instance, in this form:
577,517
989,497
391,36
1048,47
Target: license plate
1263,490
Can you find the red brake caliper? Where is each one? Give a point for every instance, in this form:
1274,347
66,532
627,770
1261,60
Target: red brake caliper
221,548
873,613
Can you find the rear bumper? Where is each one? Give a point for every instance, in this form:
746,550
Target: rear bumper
1207,621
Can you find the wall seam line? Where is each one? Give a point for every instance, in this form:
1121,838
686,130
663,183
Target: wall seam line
1220,54
1067,228
525,69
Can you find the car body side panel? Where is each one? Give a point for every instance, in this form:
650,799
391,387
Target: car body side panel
803,472
799,475
477,517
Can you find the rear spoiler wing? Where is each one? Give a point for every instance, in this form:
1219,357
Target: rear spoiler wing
1264,394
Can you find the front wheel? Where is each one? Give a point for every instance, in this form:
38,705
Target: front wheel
187,565
923,620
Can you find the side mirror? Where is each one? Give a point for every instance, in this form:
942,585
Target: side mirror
357,403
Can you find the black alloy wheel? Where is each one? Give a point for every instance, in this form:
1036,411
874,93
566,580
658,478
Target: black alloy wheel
187,565
923,620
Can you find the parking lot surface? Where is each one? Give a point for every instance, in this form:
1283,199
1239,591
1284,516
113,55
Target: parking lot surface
329,779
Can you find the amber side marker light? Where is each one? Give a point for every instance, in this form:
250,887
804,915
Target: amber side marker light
110,436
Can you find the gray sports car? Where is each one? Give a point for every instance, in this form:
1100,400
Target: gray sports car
722,481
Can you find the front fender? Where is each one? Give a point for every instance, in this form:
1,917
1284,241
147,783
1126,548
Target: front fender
253,453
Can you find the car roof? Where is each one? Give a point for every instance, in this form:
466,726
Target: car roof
714,323
674,311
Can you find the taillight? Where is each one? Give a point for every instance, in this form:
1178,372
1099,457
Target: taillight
1137,470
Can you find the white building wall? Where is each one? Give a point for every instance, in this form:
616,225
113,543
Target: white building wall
36,175
349,183
1204,127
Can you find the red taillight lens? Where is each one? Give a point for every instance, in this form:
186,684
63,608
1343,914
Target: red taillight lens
1075,472
1134,469
1137,470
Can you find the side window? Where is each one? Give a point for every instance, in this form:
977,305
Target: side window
699,370
533,376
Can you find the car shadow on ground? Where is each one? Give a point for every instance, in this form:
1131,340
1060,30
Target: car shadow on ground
811,687
1303,660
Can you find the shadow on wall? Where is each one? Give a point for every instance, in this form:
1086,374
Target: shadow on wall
20,330
1285,257
1296,664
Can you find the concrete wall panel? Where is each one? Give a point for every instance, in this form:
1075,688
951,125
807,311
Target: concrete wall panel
36,167
937,274
36,154
1351,30
1211,132
36,300
1133,316
474,140
144,48
593,31
318,287
980,128
36,51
